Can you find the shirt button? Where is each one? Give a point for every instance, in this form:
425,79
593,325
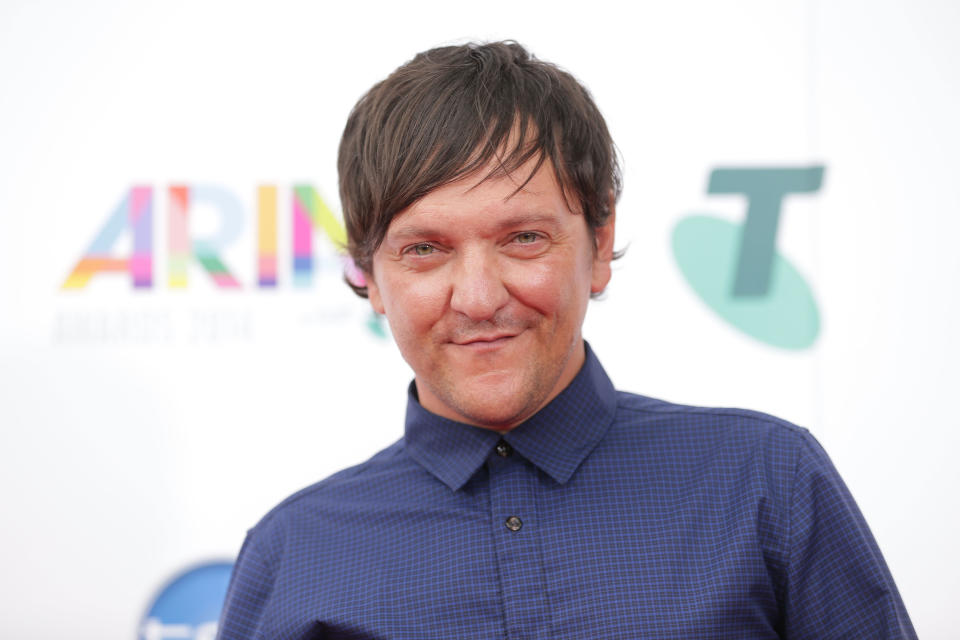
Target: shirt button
503,449
514,523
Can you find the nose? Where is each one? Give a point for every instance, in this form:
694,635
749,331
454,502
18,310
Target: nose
478,288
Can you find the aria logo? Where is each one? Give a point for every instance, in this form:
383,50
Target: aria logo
132,225
134,217
188,607
736,268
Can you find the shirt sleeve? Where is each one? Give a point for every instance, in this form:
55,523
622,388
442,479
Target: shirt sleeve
250,590
838,585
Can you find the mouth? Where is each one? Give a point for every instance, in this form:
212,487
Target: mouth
485,342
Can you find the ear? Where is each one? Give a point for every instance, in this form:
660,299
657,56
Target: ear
373,293
604,253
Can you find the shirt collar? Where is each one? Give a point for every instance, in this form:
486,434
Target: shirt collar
556,439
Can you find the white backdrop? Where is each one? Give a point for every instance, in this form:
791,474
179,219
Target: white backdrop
143,430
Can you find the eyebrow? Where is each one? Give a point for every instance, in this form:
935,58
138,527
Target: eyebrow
520,220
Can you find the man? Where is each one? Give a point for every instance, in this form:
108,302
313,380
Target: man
528,498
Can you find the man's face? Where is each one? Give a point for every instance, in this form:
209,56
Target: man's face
486,290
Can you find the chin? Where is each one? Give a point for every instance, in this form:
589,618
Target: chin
497,403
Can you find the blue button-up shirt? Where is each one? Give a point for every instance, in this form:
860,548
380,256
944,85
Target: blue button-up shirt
605,515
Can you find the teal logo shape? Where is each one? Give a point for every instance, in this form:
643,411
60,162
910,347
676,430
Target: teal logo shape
736,268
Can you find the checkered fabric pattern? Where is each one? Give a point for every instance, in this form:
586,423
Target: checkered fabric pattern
606,515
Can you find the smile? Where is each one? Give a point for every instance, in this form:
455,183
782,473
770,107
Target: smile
481,343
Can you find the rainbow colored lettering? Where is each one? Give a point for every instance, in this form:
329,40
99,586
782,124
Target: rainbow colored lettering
134,216
309,210
135,213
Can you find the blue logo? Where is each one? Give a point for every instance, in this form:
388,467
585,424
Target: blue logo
188,607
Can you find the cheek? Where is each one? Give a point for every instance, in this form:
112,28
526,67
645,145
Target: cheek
551,289
413,304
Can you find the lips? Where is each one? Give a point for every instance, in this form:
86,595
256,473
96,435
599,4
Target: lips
483,340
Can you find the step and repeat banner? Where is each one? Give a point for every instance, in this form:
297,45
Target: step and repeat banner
178,351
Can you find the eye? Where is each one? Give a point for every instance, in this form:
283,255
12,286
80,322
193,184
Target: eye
527,237
421,250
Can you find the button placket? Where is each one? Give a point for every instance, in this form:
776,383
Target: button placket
513,514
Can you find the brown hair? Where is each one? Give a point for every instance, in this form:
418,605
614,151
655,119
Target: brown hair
452,110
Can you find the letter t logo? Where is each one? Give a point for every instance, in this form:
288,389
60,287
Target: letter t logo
765,190
736,269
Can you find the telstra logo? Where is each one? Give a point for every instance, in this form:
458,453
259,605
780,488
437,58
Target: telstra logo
736,269
188,606
134,216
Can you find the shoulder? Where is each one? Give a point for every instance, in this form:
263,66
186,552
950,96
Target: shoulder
717,451
708,425
352,485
